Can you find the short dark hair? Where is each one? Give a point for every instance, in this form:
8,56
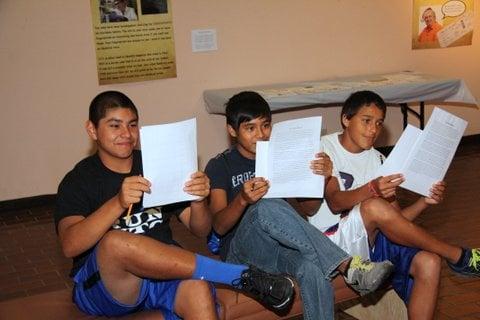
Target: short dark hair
108,100
429,9
246,106
359,99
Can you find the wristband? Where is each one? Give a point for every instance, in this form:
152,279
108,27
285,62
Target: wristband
372,189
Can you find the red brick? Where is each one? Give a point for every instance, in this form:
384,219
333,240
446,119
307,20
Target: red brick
45,277
459,310
13,227
5,277
12,295
6,268
464,298
23,286
47,288
13,282
44,268
22,266
15,259
26,272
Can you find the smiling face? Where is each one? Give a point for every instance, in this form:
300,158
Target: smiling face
248,133
429,17
121,5
116,136
362,130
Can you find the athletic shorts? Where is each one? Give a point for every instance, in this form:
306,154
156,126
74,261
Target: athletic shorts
401,257
350,235
91,296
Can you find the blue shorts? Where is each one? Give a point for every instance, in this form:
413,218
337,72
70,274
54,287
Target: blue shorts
401,257
91,296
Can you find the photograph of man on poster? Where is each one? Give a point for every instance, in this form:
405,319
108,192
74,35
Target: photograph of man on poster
431,26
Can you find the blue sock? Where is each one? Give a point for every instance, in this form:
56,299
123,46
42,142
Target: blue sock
216,271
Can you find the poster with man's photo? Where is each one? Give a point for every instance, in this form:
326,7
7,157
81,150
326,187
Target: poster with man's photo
133,40
442,23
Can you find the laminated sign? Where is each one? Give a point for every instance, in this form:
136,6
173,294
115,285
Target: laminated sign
133,40
442,23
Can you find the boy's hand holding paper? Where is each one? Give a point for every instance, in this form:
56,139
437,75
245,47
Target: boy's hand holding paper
385,187
322,165
254,189
436,193
198,185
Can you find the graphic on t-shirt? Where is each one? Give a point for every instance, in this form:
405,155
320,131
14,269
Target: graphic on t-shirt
347,179
240,179
140,222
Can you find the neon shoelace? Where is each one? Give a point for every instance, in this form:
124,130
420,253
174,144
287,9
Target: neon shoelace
357,263
475,259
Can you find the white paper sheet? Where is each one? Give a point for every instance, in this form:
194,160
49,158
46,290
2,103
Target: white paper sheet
285,159
395,163
423,157
169,156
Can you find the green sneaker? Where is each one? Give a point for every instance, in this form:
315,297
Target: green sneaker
469,264
365,276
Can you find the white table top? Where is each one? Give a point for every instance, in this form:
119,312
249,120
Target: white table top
395,88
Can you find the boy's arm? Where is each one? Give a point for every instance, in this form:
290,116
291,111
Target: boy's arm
437,194
78,233
197,217
226,215
339,200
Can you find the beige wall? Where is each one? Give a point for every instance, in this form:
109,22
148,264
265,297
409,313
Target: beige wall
48,75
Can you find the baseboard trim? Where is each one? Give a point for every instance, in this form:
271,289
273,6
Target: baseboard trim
26,203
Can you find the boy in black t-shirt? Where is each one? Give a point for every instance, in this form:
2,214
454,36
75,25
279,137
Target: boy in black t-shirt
117,272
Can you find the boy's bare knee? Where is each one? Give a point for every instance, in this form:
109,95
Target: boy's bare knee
375,209
426,265
194,297
197,288
116,243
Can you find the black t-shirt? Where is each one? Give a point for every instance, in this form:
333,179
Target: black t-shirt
228,171
90,184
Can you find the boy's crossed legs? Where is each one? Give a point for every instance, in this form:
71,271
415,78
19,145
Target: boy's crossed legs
138,272
273,236
379,215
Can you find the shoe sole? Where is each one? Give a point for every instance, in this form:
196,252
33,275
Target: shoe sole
290,295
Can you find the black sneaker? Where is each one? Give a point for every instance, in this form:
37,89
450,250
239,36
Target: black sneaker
274,290
469,265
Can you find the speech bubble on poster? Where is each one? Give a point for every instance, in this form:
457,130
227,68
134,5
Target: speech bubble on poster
453,8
